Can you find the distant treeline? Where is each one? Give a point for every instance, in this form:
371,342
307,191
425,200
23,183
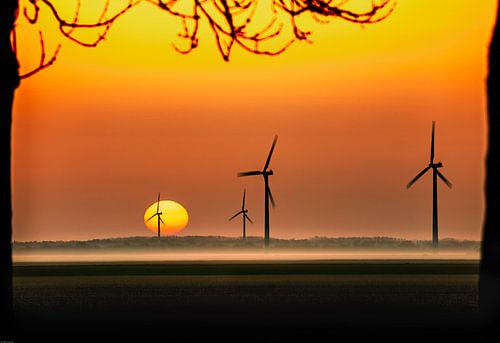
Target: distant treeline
209,242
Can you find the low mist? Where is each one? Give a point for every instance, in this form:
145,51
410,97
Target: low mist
215,248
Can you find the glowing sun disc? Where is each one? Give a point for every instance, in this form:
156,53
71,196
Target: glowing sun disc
174,216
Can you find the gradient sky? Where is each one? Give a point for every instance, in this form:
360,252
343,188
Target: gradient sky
100,133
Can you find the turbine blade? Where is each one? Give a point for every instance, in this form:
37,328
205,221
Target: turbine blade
247,217
250,173
432,141
270,153
161,220
417,177
158,205
271,196
235,215
445,180
151,217
243,204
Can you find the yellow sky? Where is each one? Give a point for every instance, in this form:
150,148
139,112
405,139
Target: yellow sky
101,132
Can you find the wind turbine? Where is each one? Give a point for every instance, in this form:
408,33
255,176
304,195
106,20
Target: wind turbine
158,213
268,195
435,174
244,212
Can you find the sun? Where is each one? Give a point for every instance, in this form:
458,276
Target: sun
173,215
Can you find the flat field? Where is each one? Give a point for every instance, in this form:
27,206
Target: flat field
261,298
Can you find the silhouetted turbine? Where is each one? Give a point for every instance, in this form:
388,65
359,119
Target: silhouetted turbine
268,195
243,212
435,174
158,213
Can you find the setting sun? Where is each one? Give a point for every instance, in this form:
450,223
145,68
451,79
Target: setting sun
174,217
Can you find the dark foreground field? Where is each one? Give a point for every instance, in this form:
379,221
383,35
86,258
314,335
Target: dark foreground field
238,301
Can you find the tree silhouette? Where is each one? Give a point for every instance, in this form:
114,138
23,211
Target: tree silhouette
232,22
490,252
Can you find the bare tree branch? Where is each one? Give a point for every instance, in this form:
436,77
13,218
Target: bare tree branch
43,64
232,22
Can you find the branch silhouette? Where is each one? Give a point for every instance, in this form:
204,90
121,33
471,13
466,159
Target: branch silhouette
259,27
43,63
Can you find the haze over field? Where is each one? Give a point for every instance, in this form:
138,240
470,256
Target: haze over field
229,248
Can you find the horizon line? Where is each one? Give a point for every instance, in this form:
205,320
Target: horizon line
248,237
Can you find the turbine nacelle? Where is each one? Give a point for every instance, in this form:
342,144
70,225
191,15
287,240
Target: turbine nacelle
436,165
159,214
256,172
431,165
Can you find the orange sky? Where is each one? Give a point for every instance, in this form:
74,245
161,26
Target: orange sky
100,133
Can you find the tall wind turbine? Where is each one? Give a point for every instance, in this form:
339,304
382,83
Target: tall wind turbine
243,212
268,195
158,213
435,174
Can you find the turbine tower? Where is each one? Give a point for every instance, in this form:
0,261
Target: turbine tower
158,213
268,195
435,174
243,212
